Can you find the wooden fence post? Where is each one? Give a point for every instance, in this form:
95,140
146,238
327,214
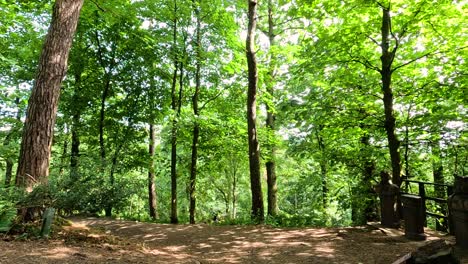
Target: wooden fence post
422,193
449,218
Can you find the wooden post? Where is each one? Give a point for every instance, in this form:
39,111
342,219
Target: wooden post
47,222
422,193
413,216
449,216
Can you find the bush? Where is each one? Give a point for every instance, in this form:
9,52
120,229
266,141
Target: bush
7,208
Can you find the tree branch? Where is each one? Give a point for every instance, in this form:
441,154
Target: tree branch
98,6
210,100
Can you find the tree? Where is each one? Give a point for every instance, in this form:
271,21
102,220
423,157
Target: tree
270,120
196,112
38,130
254,147
152,202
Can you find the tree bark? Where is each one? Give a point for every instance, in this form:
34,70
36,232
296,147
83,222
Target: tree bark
38,129
75,146
77,107
438,177
174,217
257,212
270,122
386,74
102,111
152,198
63,160
323,166
364,201
234,194
196,112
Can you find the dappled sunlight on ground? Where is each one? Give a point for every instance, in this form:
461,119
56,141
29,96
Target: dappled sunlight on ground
112,241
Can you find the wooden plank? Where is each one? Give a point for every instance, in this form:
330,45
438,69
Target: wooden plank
436,215
439,200
403,259
428,183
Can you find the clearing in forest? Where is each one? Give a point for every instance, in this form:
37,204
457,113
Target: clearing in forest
93,240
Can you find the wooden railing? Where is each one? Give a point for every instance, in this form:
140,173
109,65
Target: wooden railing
446,225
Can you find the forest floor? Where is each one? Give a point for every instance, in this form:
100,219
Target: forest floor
93,240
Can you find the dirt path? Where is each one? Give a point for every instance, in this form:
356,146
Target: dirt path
92,240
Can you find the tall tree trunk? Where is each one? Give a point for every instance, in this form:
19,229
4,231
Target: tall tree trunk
390,121
102,118
323,166
152,198
63,159
174,217
75,146
254,148
406,156
364,205
107,67
234,194
38,129
196,126
77,107
386,74
270,121
438,177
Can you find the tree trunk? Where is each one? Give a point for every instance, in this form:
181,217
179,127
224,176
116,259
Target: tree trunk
75,146
196,126
364,201
254,148
438,176
390,121
406,156
323,166
152,198
102,117
234,194
77,108
63,159
107,68
38,130
174,218
270,121
8,172
386,74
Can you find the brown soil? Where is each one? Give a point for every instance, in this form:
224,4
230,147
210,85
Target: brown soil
92,240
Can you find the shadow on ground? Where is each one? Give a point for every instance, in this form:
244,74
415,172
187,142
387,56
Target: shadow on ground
134,242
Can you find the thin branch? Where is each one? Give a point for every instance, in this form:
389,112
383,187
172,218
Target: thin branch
373,40
288,28
98,6
423,56
405,27
210,100
414,60
364,62
287,21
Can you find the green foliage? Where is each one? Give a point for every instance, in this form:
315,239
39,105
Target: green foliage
327,102
7,215
313,219
9,198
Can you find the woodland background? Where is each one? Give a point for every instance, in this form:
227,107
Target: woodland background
146,78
